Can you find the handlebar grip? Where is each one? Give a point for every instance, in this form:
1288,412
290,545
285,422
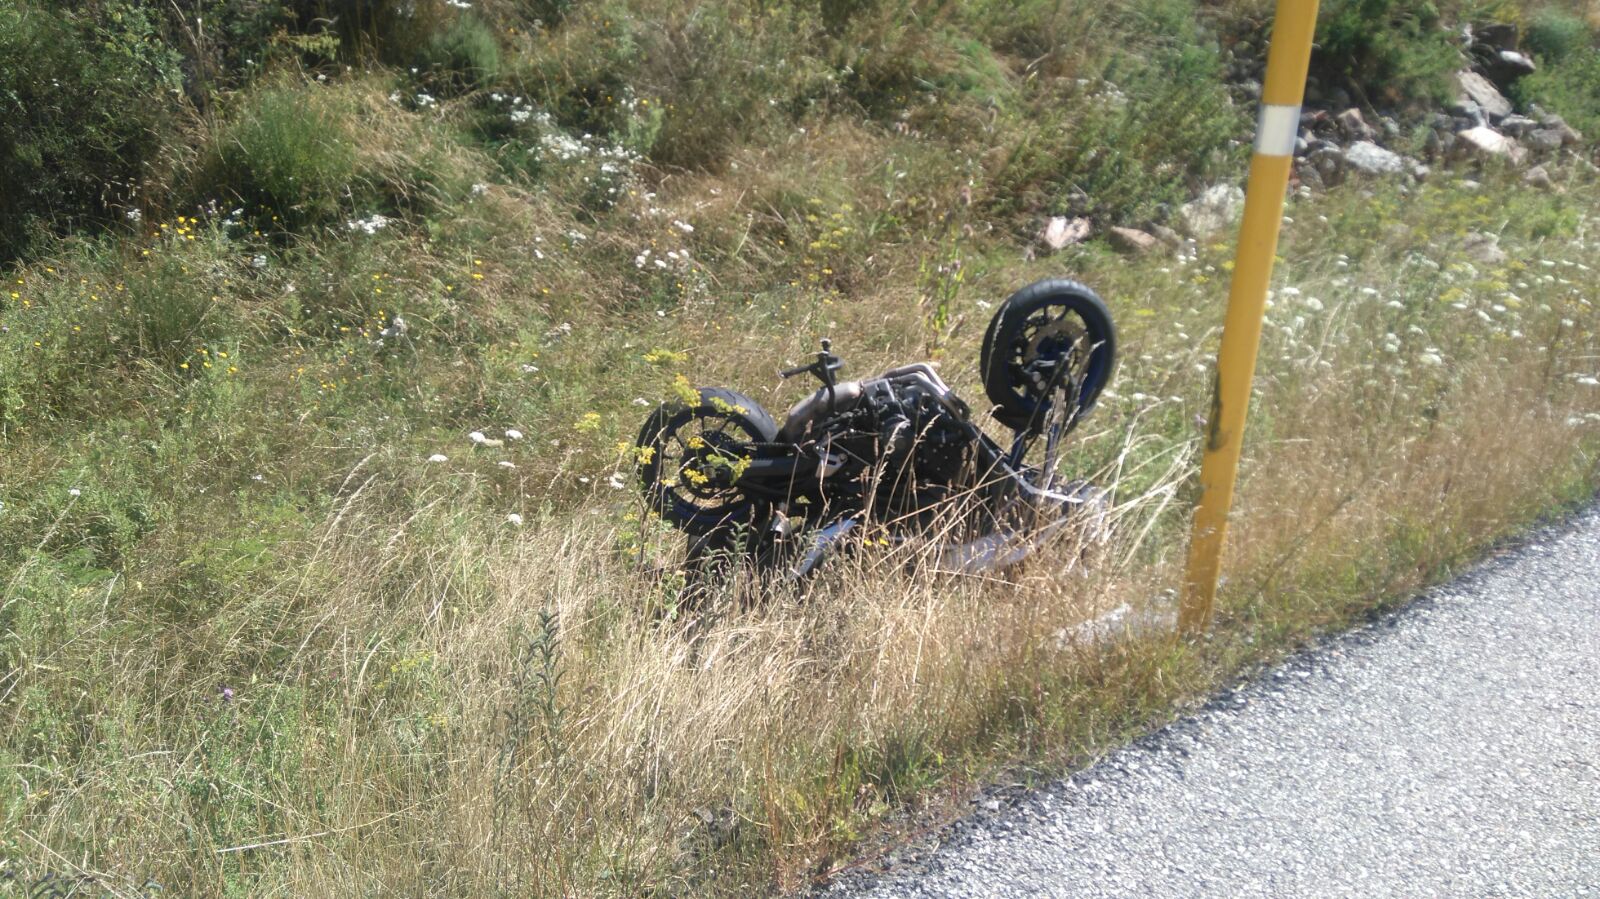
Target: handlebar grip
791,372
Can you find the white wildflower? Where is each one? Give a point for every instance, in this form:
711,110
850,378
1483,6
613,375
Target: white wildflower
74,492
371,225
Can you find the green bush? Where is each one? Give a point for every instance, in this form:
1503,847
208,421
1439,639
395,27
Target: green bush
1555,34
1389,51
287,149
1570,88
86,104
462,56
1130,153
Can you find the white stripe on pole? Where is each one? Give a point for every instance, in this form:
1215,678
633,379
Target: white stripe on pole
1277,130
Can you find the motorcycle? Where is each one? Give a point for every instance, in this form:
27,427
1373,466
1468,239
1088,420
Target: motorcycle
899,454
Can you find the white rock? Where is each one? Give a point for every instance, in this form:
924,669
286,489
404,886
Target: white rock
1061,232
1485,141
1213,211
1482,91
1368,158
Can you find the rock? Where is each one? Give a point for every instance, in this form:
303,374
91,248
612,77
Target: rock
1509,65
1569,135
1061,232
1167,236
1483,248
1212,211
1309,176
1329,163
1368,158
1131,241
1481,91
1301,146
1489,143
1517,125
1440,143
1499,36
1545,140
1418,170
1354,126
1464,113
1539,177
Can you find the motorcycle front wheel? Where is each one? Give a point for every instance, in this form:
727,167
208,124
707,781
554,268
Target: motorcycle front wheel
1037,331
690,458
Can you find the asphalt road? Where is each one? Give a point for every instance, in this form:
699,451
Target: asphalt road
1451,749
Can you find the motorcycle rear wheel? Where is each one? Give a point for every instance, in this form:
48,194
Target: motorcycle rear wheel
690,457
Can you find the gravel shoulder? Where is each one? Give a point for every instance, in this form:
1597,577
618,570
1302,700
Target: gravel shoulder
1449,749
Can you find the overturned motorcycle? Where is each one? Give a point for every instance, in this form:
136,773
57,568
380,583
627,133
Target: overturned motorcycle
898,455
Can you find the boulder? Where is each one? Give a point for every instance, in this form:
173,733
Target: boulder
1440,143
1465,114
1538,177
1368,158
1544,140
1167,236
1569,135
1489,143
1517,125
1509,65
1308,175
1212,211
1061,232
1354,126
1483,248
1480,90
1499,36
1131,241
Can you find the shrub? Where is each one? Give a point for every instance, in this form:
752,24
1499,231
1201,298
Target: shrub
1389,51
85,105
286,149
1130,149
1555,34
1570,88
462,56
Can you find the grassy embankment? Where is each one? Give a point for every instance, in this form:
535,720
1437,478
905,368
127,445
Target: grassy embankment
253,640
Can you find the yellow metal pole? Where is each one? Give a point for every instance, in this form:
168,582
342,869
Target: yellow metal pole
1281,95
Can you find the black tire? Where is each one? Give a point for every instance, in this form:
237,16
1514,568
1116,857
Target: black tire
731,427
1013,341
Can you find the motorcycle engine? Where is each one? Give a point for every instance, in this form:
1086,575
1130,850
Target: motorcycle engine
922,446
